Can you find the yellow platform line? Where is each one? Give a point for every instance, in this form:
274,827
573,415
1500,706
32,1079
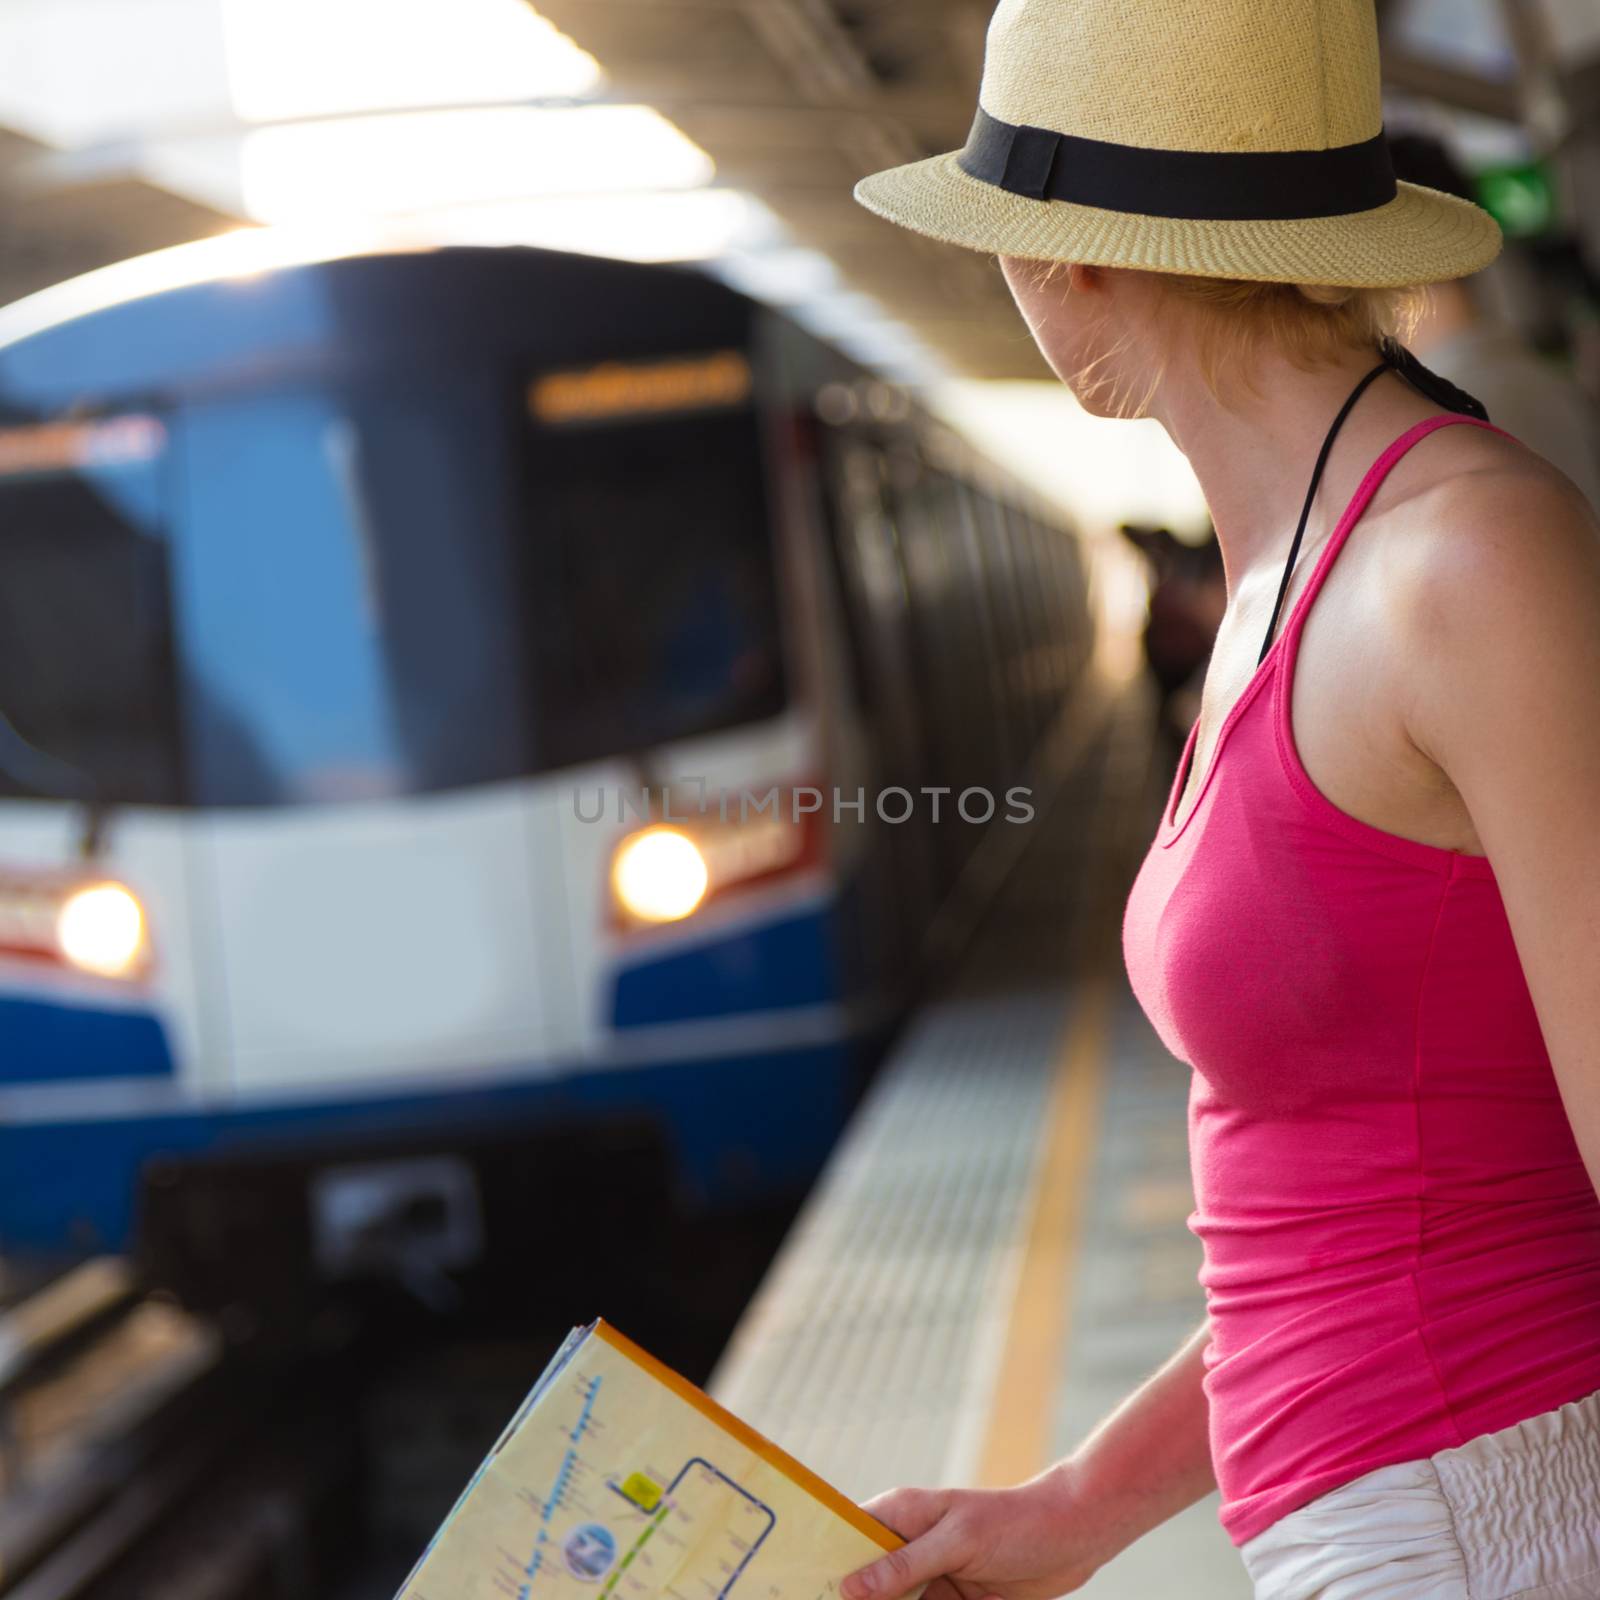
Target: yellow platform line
1018,1442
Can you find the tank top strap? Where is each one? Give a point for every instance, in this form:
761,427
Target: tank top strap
1376,473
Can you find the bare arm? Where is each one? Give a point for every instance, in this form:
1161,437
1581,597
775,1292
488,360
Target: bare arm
1503,615
1151,1457
1047,1537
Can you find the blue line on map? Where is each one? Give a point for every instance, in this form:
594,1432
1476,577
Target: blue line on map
554,1497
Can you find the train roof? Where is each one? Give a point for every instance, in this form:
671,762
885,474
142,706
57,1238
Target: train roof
262,306
217,313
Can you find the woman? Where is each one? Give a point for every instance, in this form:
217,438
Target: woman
1366,919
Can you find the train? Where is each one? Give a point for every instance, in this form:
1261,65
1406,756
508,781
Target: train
448,692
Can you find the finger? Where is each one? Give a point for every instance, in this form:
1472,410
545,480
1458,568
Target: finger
907,1511
902,1570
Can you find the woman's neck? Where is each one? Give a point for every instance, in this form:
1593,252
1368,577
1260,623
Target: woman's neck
1255,462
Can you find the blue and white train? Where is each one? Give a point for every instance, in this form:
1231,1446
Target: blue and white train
441,687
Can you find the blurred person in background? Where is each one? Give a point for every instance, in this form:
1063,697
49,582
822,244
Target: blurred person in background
1462,340
1187,599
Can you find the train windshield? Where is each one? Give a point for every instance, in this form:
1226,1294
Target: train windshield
87,662
354,592
650,578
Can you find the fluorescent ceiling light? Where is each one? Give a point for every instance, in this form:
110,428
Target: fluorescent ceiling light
691,226
411,161
78,72
312,58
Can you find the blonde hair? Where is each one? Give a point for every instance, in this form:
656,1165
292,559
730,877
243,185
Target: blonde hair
1233,320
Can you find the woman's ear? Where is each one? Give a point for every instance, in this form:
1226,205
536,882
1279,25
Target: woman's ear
1084,275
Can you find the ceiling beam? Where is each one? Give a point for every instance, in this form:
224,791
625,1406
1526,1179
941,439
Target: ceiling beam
1452,86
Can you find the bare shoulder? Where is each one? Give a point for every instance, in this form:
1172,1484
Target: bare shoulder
1495,532
1498,574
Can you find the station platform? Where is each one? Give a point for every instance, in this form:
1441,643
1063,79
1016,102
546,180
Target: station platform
995,1254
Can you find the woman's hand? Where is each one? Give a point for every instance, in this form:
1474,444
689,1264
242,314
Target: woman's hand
1032,1542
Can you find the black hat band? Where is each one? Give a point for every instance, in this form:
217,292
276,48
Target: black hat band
1205,185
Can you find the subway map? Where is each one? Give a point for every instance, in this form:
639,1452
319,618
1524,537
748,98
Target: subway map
618,1480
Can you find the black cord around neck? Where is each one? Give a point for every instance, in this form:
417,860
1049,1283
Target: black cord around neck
1427,383
1305,510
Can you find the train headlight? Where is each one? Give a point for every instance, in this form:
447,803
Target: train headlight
101,930
659,875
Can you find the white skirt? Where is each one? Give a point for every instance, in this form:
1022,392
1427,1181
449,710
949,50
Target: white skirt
1515,1512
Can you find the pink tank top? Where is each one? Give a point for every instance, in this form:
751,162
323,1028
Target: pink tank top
1401,1243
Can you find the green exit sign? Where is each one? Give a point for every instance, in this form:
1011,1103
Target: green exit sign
1522,199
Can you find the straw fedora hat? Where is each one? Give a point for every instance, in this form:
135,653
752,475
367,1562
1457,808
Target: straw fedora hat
1223,138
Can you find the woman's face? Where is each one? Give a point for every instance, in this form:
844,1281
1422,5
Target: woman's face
1073,318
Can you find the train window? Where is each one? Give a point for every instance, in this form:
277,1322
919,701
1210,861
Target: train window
1038,557
1035,623
374,605
986,668
1005,604
857,542
649,581
345,579
871,554
964,628
87,675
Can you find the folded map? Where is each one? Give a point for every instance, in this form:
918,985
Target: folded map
618,1479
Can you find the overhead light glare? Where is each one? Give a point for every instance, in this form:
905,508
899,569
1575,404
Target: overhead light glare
411,161
681,225
313,58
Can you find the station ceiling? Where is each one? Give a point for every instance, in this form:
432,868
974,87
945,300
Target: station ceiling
51,231
796,99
